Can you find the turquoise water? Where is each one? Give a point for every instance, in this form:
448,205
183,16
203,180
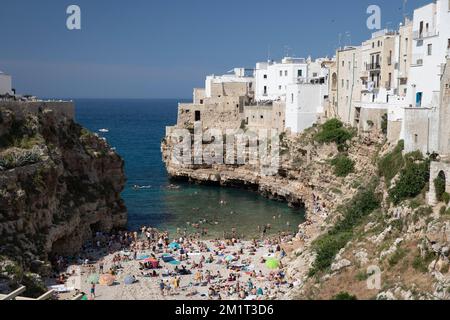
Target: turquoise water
136,128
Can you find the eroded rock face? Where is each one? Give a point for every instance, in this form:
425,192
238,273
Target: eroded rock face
52,202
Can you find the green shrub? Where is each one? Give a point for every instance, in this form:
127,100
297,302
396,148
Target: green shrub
328,245
343,166
439,184
446,197
442,210
421,263
344,296
391,164
399,254
334,131
413,178
19,158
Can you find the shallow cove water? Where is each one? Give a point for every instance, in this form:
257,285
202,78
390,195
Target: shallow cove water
135,128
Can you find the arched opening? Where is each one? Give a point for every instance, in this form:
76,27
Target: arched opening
334,81
439,184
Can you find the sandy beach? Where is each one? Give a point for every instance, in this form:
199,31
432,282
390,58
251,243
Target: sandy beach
151,266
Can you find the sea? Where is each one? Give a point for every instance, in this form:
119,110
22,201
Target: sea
135,129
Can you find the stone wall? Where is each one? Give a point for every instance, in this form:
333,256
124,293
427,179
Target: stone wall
420,130
20,109
268,117
435,169
371,118
444,112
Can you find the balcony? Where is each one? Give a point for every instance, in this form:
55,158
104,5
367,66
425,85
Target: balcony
417,35
373,66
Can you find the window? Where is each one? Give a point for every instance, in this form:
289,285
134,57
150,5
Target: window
265,90
281,73
279,87
314,74
262,117
265,76
201,101
286,73
343,63
292,98
300,73
342,85
348,84
416,138
197,116
430,49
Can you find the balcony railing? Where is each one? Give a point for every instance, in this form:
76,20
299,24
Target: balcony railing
373,66
417,35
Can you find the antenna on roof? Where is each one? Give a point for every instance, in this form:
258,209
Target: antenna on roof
339,40
405,2
348,35
268,52
287,51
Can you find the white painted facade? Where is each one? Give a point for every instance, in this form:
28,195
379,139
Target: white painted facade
5,84
305,99
431,45
272,78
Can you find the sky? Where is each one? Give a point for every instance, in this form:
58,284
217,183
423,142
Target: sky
164,48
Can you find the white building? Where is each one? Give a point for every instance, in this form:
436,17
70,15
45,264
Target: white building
272,78
5,84
305,98
431,45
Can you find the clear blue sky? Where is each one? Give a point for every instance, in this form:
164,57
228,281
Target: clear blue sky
164,48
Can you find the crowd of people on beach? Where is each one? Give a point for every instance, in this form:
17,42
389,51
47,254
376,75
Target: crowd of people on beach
186,266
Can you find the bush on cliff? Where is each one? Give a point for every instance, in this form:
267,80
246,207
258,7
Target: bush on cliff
344,296
391,164
334,131
328,245
439,184
343,165
413,178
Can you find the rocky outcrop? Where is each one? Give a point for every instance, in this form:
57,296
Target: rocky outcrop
59,184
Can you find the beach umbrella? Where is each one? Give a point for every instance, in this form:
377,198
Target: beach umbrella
229,258
272,263
150,260
174,245
93,278
106,280
129,280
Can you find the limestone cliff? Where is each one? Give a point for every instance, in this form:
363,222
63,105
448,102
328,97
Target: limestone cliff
367,212
59,183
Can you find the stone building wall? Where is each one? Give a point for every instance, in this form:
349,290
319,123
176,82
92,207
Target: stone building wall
444,112
435,169
270,116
